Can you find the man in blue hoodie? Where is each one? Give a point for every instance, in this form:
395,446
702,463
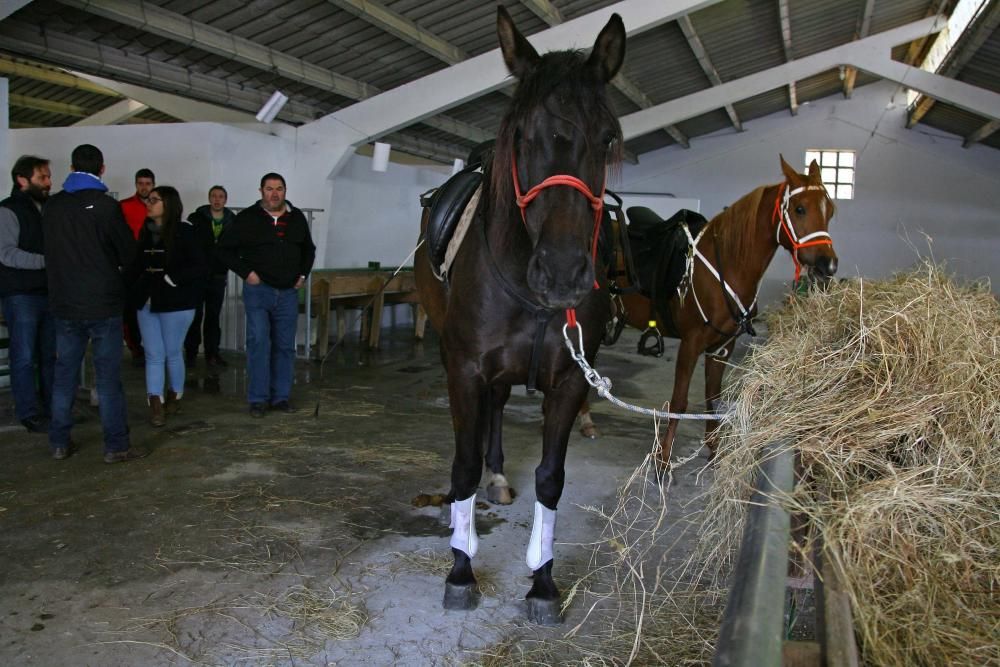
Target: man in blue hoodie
87,244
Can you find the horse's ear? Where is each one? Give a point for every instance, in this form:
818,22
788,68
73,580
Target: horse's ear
815,175
518,53
609,50
791,175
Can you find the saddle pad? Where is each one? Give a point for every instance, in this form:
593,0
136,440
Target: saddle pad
456,240
659,248
446,206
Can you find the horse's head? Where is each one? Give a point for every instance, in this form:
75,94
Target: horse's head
804,212
553,150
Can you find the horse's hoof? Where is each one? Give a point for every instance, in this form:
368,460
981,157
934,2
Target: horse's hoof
460,598
544,612
500,495
589,431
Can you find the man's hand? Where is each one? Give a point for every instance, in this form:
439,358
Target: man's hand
300,282
253,278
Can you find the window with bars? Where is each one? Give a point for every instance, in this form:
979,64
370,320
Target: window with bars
837,168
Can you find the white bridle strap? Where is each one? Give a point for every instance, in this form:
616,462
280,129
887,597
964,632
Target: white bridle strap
689,276
787,221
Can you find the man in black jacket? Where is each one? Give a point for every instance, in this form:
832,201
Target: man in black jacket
87,244
209,222
270,247
24,292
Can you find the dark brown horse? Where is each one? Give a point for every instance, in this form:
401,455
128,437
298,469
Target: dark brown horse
527,259
709,312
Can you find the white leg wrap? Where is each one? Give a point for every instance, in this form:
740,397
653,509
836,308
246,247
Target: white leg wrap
463,525
543,534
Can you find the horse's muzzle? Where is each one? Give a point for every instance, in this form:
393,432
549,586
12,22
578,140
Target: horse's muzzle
825,266
560,281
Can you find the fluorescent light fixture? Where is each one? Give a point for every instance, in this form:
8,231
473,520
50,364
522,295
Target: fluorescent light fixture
272,107
380,156
457,166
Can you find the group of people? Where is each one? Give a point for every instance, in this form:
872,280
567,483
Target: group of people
78,267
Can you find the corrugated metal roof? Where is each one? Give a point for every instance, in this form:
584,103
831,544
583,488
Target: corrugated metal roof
740,38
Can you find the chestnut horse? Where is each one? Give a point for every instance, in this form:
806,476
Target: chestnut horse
718,299
525,269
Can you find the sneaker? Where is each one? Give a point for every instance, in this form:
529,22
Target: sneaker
62,452
283,406
36,424
257,410
130,454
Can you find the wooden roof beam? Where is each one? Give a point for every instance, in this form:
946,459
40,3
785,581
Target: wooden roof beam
179,28
851,73
972,39
786,43
706,65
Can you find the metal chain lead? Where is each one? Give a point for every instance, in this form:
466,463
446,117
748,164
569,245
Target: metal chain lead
603,386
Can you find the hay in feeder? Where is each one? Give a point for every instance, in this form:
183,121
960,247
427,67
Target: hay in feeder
890,391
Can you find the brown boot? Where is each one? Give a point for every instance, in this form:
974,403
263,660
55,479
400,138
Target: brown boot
156,414
173,404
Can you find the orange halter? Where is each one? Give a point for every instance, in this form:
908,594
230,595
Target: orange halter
781,219
596,203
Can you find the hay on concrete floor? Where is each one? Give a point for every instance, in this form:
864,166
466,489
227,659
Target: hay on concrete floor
891,392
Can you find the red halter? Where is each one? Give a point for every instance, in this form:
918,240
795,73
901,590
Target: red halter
596,203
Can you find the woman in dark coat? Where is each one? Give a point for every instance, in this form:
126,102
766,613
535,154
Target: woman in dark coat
166,281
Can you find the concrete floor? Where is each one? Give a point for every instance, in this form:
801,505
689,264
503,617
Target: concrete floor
234,539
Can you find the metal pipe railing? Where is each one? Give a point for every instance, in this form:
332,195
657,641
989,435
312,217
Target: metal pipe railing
752,631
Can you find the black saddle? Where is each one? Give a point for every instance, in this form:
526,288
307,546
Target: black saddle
659,248
447,202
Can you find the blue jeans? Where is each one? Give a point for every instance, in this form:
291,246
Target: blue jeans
163,340
272,315
32,341
72,337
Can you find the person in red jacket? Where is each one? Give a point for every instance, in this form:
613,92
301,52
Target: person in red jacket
134,210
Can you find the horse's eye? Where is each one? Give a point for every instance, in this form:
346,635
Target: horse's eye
800,210
609,139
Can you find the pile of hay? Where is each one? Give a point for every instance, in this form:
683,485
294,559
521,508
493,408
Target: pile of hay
891,392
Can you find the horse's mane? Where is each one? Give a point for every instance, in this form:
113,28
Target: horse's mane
578,87
734,228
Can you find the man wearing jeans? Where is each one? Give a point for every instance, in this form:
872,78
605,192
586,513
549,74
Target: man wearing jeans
87,243
270,247
24,292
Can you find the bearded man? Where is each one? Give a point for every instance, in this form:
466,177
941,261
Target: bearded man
24,292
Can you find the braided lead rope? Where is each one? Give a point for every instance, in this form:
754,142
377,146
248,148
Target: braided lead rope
603,386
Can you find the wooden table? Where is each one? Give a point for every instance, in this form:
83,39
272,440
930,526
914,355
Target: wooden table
341,289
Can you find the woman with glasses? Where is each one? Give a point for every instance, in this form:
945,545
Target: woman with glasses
166,281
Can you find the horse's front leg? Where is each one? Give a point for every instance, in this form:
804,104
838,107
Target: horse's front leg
715,367
560,408
466,396
498,490
687,357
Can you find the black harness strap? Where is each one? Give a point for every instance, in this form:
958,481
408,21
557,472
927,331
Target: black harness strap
541,314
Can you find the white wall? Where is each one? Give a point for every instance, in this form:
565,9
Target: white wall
191,157
377,214
368,216
909,182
